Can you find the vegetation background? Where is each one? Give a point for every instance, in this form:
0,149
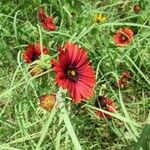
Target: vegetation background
24,125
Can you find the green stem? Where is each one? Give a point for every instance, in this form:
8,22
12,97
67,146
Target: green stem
67,120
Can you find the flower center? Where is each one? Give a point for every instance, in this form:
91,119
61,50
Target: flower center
34,57
72,73
124,38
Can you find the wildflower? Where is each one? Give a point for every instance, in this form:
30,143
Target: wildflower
33,52
136,8
123,37
46,21
74,72
106,104
123,81
99,18
47,102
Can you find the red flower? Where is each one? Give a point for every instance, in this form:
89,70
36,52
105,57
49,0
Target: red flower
74,72
123,37
106,104
33,52
46,21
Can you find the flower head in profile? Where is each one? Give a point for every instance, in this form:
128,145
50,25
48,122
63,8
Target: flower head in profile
33,52
74,72
46,21
99,18
106,104
123,37
47,102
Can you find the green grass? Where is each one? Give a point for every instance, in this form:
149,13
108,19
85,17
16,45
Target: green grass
23,125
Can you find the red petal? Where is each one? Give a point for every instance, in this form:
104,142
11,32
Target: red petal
82,58
53,62
51,27
60,77
28,53
84,90
128,32
58,68
49,20
42,14
72,90
70,50
46,21
66,84
88,81
75,53
77,96
64,60
87,71
117,37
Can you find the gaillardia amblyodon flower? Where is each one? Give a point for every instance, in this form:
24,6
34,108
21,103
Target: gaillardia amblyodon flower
74,72
106,104
123,37
46,21
33,52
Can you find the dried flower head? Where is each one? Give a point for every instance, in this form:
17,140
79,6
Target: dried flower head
47,102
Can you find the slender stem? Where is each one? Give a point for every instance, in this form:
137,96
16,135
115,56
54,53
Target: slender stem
67,120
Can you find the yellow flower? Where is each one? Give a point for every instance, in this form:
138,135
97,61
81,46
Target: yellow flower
99,18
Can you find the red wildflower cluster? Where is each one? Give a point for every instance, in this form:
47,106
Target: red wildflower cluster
123,37
106,104
33,52
123,81
74,72
46,21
